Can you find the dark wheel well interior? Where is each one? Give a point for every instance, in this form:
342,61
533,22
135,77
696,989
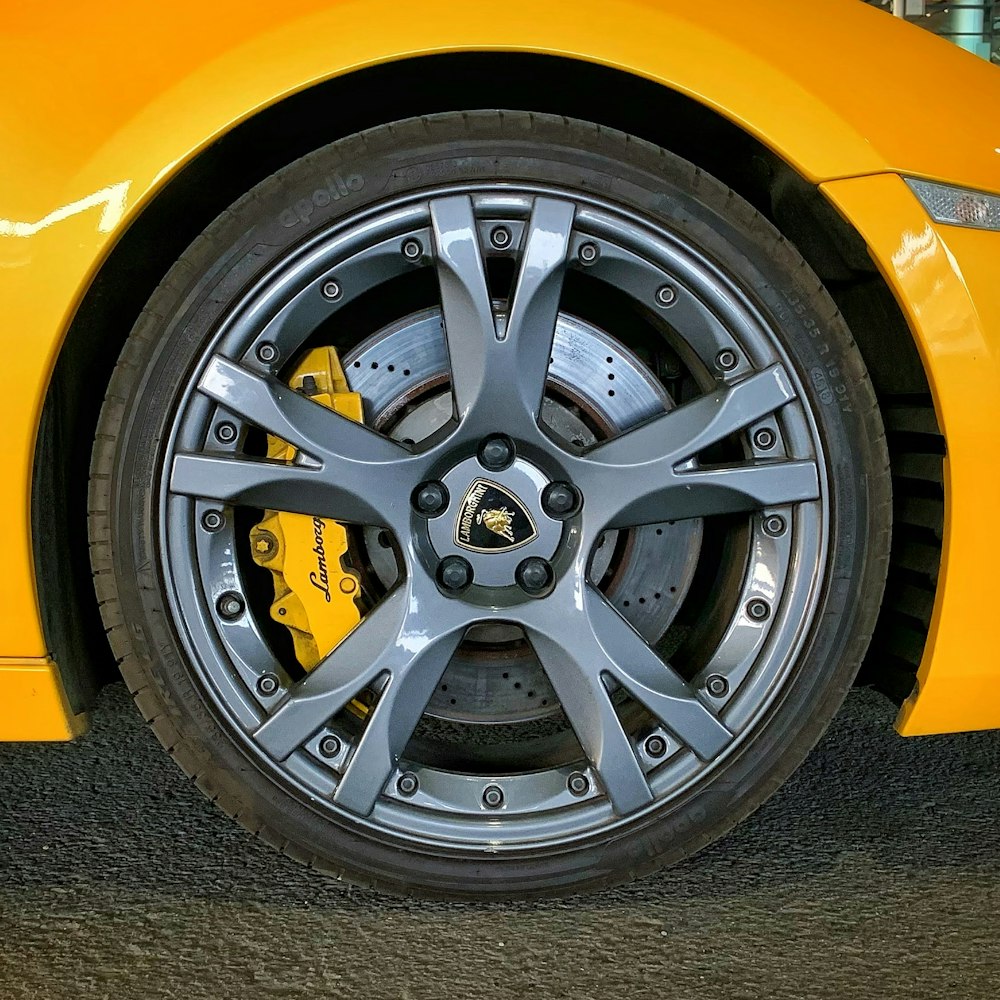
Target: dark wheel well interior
312,118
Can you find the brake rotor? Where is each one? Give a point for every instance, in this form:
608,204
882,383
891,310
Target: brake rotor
596,388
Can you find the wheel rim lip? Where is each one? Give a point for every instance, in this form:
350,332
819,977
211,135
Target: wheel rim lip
413,821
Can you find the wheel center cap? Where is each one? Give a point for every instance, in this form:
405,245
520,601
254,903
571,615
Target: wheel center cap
492,518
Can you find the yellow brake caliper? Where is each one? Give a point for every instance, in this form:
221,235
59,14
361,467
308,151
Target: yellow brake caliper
315,595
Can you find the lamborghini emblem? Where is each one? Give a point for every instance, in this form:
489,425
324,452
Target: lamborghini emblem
490,518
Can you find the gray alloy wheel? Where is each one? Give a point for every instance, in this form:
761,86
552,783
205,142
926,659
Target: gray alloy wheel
642,428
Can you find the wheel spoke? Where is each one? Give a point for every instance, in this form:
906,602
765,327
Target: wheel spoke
634,478
579,652
492,368
347,471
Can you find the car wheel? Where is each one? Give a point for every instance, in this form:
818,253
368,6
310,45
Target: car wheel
490,505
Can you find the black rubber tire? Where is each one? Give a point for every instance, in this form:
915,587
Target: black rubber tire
406,156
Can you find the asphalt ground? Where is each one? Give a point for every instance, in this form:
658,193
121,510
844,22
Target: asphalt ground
872,874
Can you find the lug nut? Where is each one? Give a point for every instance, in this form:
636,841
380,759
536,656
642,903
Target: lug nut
267,684
588,253
764,438
212,520
230,605
407,784
500,237
496,453
412,250
726,360
758,610
666,296
454,573
331,290
560,499
717,686
430,498
533,575
267,353
493,797
656,746
774,525
578,783
226,432
329,746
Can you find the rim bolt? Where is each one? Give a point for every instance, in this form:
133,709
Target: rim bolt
666,296
560,499
407,784
500,237
774,525
496,453
493,796
588,253
726,360
412,250
226,432
329,746
764,438
578,783
267,684
454,573
758,610
430,498
717,686
213,520
230,605
331,290
534,575
656,746
267,353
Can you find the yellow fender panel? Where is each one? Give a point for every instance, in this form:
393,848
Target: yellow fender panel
945,279
100,109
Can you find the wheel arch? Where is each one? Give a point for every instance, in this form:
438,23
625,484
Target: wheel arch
185,203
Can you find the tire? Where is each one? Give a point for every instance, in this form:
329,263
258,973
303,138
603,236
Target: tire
182,677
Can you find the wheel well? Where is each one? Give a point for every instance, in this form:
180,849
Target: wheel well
262,144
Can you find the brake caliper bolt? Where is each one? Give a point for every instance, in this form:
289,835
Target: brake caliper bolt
454,573
230,605
226,432
726,360
774,525
764,438
717,686
268,684
758,610
265,544
578,783
656,746
496,453
407,784
560,499
493,797
430,498
329,746
500,237
267,353
588,253
331,290
412,250
213,520
666,296
533,575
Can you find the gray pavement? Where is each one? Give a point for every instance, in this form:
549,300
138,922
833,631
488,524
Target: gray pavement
872,874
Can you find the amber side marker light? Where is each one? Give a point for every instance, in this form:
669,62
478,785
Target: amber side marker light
957,206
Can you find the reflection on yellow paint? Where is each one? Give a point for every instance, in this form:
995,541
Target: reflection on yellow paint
112,201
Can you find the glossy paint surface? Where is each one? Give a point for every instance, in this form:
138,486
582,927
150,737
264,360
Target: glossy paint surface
945,279
102,104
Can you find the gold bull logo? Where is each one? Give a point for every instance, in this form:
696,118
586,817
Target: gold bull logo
499,520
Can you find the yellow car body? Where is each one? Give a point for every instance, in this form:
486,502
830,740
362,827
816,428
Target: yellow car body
104,105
